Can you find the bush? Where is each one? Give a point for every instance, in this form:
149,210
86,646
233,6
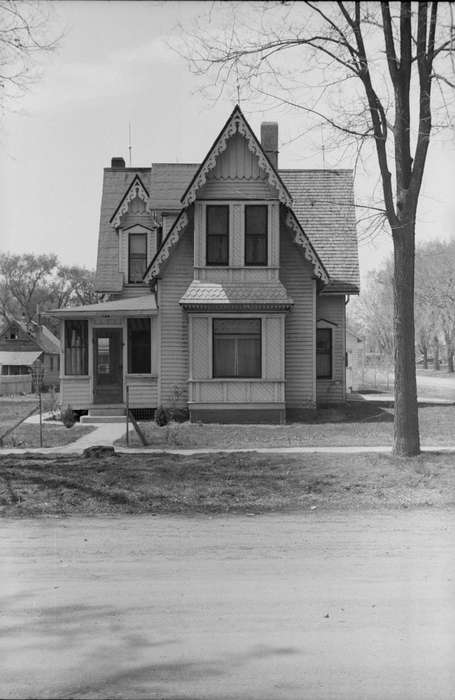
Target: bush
162,416
68,417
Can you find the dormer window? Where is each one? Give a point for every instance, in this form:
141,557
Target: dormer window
217,235
256,216
137,257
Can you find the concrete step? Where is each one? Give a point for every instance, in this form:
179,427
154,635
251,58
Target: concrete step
107,410
103,419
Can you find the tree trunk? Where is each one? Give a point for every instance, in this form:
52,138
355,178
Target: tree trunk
450,367
436,362
425,357
406,419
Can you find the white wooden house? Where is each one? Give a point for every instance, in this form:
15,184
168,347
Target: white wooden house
224,286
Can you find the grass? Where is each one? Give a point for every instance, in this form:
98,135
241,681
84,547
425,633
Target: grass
221,483
366,424
27,434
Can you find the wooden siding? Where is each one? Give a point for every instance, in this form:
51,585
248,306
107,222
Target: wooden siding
297,276
75,392
333,310
142,391
176,277
242,392
237,175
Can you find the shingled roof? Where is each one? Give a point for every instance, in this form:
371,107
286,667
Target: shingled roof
323,202
324,206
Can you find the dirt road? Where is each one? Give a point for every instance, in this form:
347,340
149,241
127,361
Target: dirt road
317,606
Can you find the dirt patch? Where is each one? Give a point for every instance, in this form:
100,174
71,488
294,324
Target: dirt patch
221,483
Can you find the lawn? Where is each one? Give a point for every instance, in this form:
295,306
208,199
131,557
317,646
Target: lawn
221,483
27,434
366,424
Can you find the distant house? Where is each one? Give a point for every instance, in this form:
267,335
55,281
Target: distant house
224,286
355,359
21,346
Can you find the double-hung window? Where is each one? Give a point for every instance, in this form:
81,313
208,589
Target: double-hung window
324,353
237,348
137,257
76,347
139,346
256,234
217,234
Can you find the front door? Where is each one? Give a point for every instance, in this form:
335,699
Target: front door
108,366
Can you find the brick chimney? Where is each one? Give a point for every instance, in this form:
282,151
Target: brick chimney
118,162
269,141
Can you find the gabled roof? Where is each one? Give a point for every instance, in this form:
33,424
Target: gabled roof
22,357
39,333
168,182
324,207
136,189
235,124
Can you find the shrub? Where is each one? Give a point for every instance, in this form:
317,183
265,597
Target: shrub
68,417
162,416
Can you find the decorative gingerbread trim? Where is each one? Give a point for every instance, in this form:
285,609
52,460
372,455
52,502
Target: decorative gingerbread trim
136,189
171,240
237,123
310,254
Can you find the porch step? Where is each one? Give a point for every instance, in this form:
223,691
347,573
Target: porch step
107,410
105,414
103,419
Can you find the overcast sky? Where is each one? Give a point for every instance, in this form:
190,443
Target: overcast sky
113,68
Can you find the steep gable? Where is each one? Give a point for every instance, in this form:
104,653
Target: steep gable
229,166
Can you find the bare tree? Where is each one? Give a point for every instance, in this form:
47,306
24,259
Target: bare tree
25,34
366,70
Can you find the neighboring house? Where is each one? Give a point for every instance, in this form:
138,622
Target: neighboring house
23,344
355,359
224,286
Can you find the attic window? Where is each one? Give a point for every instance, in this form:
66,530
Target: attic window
13,335
137,257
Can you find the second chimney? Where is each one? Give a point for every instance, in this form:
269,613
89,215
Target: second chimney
269,141
117,162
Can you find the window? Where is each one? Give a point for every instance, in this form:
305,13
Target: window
217,235
139,346
256,234
137,257
76,347
237,348
324,353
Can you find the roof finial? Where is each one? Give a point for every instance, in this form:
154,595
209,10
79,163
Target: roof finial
129,141
238,82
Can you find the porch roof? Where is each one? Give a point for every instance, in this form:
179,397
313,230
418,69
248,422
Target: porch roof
268,294
16,358
133,306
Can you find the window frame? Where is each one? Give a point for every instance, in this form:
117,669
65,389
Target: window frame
264,235
129,348
83,347
209,235
236,337
328,331
136,256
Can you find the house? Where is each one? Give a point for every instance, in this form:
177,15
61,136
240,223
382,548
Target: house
22,345
355,361
224,286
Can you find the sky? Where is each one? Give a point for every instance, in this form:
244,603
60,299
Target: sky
114,67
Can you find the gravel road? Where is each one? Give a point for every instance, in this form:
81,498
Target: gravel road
316,605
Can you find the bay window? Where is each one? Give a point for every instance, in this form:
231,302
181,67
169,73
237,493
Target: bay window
237,348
